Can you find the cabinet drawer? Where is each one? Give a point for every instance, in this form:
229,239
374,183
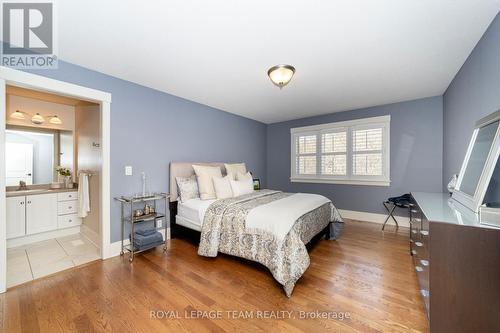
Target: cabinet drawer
67,207
67,196
66,221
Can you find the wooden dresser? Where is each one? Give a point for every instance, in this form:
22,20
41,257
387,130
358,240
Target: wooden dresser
457,262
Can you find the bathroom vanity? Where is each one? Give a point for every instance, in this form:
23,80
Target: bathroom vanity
40,210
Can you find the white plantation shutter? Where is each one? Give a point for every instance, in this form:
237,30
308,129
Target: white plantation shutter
349,152
306,149
367,157
334,153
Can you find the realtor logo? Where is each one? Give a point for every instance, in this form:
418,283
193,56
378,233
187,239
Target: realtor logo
28,35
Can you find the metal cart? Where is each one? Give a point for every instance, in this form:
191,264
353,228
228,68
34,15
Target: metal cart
128,217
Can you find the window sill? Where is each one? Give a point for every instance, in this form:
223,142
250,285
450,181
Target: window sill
342,181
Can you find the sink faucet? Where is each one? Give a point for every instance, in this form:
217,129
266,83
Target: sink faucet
22,186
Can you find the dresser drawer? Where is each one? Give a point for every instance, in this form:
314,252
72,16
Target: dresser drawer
66,221
67,196
67,207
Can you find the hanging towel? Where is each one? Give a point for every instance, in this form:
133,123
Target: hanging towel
83,195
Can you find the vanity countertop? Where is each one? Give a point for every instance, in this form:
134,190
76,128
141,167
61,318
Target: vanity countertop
34,191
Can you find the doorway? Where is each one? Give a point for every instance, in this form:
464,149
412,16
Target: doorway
39,84
19,162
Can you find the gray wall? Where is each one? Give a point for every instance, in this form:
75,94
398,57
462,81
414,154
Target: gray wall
473,94
416,154
88,131
149,129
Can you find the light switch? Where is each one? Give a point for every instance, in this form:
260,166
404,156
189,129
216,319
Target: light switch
128,170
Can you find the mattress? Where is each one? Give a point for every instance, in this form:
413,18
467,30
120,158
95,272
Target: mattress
192,212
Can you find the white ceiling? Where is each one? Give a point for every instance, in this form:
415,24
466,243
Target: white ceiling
348,54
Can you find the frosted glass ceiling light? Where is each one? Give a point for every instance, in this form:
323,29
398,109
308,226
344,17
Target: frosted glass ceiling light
37,119
55,120
17,115
281,75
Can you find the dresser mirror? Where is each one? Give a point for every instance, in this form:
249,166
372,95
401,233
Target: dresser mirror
479,163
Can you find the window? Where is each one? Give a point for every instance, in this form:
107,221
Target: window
348,152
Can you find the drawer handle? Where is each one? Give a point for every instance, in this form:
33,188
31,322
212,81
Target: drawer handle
419,269
424,232
419,244
70,207
424,292
414,252
70,220
424,262
411,204
414,211
413,231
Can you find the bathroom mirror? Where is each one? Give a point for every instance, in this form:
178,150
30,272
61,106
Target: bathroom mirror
32,154
479,163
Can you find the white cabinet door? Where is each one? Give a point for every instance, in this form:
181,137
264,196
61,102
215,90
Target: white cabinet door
41,213
16,213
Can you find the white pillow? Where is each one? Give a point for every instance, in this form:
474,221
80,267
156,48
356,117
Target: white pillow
241,187
187,188
233,169
244,176
223,187
204,175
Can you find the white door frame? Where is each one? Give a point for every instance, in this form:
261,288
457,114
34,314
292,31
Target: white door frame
9,76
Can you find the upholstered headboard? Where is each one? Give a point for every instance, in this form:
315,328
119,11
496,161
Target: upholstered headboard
185,169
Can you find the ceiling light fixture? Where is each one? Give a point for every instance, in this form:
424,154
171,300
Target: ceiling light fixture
37,119
17,115
55,120
281,75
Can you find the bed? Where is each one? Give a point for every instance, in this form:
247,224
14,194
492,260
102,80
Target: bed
246,226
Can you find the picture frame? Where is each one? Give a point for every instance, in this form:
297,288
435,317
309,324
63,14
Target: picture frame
479,162
256,184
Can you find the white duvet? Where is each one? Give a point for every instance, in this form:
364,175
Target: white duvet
278,217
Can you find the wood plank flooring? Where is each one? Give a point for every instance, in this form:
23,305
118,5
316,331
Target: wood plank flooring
367,276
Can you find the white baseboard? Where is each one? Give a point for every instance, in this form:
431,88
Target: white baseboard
20,241
91,235
116,247
373,217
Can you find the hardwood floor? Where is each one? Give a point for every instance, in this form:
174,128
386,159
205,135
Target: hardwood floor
367,275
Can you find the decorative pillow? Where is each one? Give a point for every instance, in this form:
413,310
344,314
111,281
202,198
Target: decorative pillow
223,187
244,176
241,187
233,169
204,175
188,188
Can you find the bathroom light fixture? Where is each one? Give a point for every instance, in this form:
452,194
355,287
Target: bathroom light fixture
55,120
281,75
17,115
37,119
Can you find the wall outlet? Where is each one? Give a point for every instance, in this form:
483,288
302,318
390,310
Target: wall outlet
159,223
128,170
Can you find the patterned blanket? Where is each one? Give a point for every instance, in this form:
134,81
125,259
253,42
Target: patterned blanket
224,231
